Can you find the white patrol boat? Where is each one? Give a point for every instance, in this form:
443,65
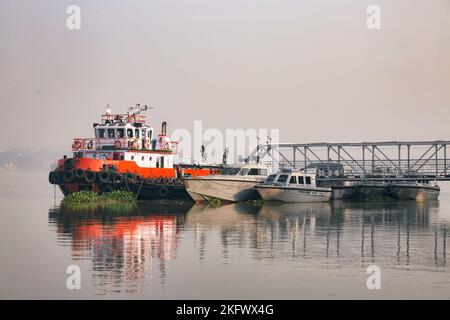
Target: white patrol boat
289,186
234,184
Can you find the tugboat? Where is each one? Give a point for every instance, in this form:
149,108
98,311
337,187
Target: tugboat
125,155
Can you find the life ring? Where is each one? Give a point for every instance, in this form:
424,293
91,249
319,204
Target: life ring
163,192
166,146
117,144
132,144
90,145
77,145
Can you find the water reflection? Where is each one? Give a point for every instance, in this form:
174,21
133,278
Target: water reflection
125,249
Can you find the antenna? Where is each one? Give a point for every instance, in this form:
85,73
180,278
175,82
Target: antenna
138,109
225,156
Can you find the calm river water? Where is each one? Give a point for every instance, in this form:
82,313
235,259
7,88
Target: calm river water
237,251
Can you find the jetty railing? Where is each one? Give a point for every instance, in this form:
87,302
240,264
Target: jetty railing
388,160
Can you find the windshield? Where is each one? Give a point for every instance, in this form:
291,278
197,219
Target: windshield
230,171
243,172
282,178
270,179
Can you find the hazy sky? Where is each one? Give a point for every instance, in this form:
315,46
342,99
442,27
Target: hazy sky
308,67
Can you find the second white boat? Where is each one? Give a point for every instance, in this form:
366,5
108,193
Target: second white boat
293,187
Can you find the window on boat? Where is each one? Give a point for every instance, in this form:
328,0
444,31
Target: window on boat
282,178
101,133
230,171
110,133
130,133
149,134
263,172
253,172
136,133
308,180
293,180
143,134
121,133
243,171
270,179
301,180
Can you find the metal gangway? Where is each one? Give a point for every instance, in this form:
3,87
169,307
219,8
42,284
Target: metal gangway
388,160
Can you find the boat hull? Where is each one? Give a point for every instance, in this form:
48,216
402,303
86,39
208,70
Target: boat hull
298,195
418,193
72,176
201,189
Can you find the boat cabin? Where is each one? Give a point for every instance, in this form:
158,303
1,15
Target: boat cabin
291,179
127,137
259,170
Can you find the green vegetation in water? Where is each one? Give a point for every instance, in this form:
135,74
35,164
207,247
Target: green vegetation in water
257,202
112,201
215,202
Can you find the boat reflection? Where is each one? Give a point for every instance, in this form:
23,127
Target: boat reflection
125,248
122,246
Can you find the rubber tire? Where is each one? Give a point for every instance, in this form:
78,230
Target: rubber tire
51,177
57,177
163,192
68,163
104,176
89,176
79,174
68,176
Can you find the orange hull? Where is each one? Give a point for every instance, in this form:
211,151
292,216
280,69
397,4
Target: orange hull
124,166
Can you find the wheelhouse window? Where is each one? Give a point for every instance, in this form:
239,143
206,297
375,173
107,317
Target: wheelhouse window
282,178
230,171
101,133
301,180
243,171
121,133
149,134
308,180
143,134
136,133
130,133
293,180
253,172
111,133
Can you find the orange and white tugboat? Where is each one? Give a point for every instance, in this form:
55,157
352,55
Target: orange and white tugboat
125,155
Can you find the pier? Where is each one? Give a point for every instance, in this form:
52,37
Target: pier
363,161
